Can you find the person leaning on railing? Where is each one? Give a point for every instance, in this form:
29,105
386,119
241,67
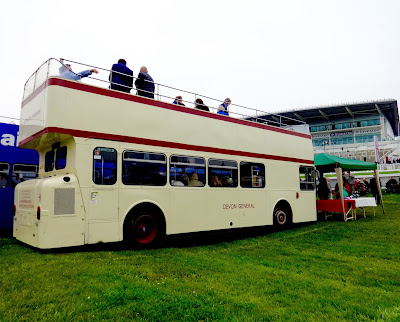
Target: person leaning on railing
121,75
66,72
144,83
178,101
199,104
223,108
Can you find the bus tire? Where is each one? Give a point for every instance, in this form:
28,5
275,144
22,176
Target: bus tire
143,229
282,217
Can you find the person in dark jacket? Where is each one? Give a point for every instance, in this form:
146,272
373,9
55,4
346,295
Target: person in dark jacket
121,77
144,83
375,190
198,103
323,192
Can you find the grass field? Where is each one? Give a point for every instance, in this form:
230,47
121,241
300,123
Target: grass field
324,271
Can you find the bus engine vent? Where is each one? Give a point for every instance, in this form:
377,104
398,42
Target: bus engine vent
64,201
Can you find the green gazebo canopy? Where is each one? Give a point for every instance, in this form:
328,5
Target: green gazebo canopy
327,163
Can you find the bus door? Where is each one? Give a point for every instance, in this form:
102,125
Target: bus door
103,193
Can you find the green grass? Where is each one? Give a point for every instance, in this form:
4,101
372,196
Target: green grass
325,271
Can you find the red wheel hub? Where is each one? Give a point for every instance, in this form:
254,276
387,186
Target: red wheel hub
145,229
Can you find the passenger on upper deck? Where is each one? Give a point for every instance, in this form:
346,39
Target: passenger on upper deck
144,83
198,103
122,76
223,108
66,72
178,101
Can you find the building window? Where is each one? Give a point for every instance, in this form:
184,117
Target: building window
367,138
104,166
307,178
222,173
252,175
144,168
23,172
187,171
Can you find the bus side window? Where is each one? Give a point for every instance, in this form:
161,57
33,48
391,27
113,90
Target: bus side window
61,157
4,174
187,171
307,178
23,172
104,166
222,173
49,161
144,168
252,175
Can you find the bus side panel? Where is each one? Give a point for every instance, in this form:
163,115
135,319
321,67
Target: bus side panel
222,208
252,206
305,207
187,211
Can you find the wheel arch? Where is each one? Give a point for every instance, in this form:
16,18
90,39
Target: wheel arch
284,205
155,208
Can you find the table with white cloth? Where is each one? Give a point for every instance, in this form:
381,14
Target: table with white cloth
365,202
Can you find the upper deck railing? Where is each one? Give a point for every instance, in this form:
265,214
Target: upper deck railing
51,68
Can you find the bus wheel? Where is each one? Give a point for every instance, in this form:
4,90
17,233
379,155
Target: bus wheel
145,229
281,218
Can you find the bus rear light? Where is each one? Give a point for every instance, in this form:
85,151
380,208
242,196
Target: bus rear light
297,195
38,213
14,210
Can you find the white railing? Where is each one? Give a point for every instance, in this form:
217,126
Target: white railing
163,92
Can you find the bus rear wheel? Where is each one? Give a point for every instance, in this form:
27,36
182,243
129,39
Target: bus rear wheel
143,230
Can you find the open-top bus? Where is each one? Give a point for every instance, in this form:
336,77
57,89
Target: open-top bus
16,165
116,166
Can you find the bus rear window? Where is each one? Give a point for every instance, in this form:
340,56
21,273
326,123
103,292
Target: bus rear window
222,173
252,175
4,174
307,178
61,158
49,161
144,168
23,172
104,166
187,171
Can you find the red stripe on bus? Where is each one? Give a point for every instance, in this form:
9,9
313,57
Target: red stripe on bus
143,100
164,144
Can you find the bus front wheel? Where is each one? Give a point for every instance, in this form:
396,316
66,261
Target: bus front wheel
281,218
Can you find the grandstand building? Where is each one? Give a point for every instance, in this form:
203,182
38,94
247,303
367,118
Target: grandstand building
348,130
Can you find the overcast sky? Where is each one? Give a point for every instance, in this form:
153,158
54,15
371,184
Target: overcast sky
270,55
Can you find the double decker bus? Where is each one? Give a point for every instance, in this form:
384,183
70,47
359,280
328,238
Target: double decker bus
116,166
16,165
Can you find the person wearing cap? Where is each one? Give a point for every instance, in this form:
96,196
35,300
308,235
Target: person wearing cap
121,77
223,108
66,72
178,101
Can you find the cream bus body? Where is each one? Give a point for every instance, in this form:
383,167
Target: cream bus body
66,208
